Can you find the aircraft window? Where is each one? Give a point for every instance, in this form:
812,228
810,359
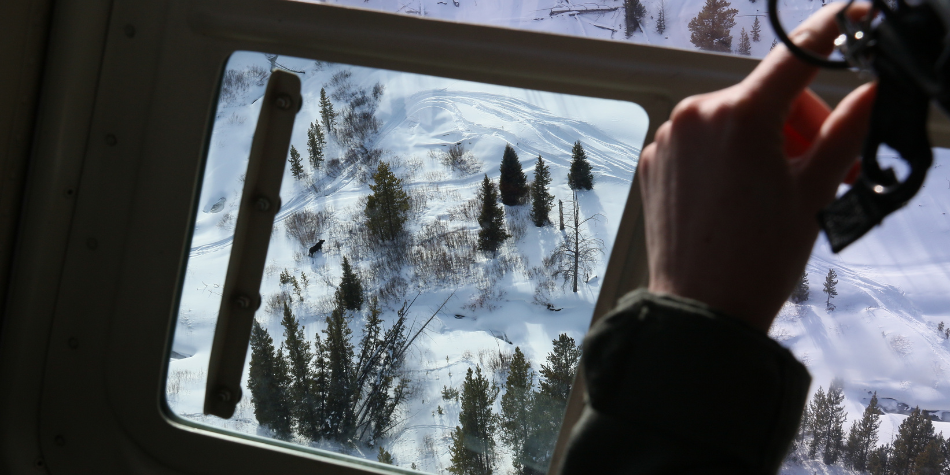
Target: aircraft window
884,329
651,22
401,308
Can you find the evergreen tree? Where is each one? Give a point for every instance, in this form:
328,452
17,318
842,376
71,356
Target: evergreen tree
296,164
661,18
339,392
879,460
491,219
834,430
800,294
384,457
580,176
710,28
517,405
756,30
774,42
913,435
315,143
819,422
830,289
512,184
268,391
387,208
303,402
542,201
320,381
557,376
326,113
745,47
863,436
473,448
932,459
633,15
349,295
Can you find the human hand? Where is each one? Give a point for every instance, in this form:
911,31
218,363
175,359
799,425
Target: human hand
730,206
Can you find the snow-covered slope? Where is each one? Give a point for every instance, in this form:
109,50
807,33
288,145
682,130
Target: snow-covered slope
892,285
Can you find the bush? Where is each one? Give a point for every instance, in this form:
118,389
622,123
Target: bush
457,159
306,226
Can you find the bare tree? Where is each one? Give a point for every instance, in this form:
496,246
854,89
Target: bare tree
578,252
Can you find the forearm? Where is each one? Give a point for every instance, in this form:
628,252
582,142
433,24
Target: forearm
675,387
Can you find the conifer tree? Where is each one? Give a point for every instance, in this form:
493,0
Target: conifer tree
913,435
384,457
267,385
756,30
517,405
830,289
491,219
387,208
745,47
557,376
541,201
580,176
710,28
819,422
296,164
834,423
932,458
349,295
661,18
879,460
320,381
315,143
863,436
303,402
473,448
339,392
326,113
512,184
800,294
633,15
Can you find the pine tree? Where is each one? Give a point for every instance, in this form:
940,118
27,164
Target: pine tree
315,143
349,295
774,43
879,460
745,47
339,392
800,294
913,435
710,28
756,30
512,184
320,381
473,448
387,208
932,458
834,428
661,18
633,15
580,176
542,201
557,376
863,436
517,404
830,289
384,457
819,422
491,219
296,164
326,113
303,402
268,394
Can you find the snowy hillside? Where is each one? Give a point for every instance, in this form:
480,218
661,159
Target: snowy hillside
882,335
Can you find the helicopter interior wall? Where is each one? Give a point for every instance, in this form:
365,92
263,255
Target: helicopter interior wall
122,126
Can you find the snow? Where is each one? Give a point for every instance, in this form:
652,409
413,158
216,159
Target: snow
892,284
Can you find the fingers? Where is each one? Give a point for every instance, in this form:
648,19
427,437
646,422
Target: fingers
803,123
780,77
836,146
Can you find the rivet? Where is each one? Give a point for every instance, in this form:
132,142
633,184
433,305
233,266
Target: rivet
111,140
39,462
70,191
263,204
243,301
60,440
92,243
224,395
73,343
129,31
283,101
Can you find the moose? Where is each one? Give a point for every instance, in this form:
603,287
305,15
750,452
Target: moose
317,247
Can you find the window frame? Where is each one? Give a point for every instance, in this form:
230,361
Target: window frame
131,146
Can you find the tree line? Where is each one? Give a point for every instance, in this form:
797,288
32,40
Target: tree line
531,412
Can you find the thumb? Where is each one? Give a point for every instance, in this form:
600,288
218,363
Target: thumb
836,146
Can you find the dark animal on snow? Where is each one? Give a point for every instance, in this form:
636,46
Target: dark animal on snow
317,247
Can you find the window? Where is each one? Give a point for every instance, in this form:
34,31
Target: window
391,276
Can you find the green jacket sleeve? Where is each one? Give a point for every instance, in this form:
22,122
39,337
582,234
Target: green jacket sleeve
676,387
